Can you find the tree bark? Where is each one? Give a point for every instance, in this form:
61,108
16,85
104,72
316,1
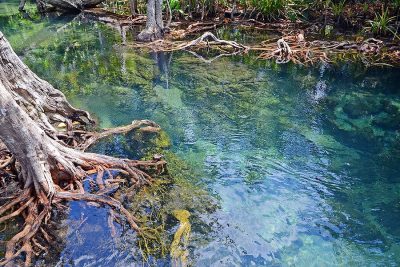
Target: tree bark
49,165
158,14
154,24
44,104
133,7
27,142
72,4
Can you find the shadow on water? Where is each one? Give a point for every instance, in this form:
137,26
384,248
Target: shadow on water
302,161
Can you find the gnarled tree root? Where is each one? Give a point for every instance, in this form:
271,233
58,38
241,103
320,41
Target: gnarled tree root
207,39
42,165
35,208
291,48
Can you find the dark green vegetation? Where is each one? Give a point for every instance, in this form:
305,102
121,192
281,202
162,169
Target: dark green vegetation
379,18
277,164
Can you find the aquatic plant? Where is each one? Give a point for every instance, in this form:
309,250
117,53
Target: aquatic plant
171,197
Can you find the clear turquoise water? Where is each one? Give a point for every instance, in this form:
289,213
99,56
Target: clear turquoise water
302,161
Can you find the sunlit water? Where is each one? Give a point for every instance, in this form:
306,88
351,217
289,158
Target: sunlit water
302,161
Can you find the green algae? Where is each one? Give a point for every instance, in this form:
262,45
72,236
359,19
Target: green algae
172,195
302,160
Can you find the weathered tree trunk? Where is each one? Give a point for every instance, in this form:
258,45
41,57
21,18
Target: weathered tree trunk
154,24
69,5
27,142
133,7
49,165
44,104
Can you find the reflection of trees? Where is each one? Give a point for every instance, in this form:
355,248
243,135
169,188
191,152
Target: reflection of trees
240,109
163,63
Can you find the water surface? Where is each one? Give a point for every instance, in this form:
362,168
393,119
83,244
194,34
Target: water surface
303,162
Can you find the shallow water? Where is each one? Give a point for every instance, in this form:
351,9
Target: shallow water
303,162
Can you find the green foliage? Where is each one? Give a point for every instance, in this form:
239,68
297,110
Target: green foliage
380,25
175,4
338,8
261,9
328,30
365,7
396,4
272,9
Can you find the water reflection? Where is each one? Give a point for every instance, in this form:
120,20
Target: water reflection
303,161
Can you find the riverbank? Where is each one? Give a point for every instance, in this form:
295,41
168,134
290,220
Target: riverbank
303,41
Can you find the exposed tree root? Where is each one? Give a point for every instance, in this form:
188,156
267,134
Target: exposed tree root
293,48
43,160
104,200
22,242
370,51
82,139
68,186
200,42
36,208
297,50
215,41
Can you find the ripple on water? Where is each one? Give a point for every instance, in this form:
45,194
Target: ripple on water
303,161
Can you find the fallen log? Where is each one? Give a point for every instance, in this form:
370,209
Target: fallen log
72,4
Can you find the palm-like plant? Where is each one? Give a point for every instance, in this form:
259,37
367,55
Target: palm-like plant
380,25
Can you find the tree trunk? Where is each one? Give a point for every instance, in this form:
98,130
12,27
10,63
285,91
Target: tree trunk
27,142
49,165
159,15
21,6
133,7
44,104
154,24
71,5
